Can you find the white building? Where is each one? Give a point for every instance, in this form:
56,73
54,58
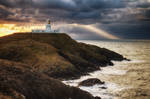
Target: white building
48,29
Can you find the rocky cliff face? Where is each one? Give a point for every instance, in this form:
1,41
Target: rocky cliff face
30,62
18,81
56,55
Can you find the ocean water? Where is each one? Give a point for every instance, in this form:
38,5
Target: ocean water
122,75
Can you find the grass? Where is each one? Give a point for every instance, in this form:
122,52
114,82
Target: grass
56,55
19,82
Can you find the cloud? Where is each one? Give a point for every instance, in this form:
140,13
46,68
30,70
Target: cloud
16,3
4,12
76,9
110,15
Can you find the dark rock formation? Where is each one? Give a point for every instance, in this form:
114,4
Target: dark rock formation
91,82
103,87
18,81
28,61
56,55
97,98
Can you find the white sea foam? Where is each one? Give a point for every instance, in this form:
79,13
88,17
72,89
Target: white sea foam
137,61
112,71
97,90
131,50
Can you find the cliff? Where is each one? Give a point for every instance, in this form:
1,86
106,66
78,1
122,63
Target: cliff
30,62
56,55
18,81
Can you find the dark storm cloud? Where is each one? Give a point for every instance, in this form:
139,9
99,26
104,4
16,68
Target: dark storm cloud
16,3
69,9
147,13
136,30
79,5
85,15
143,5
109,13
4,13
81,9
54,4
74,9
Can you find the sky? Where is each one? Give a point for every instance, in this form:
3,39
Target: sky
81,19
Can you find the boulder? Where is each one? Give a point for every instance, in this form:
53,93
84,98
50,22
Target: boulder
97,97
91,82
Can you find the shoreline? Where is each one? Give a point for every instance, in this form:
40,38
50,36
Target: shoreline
136,81
70,59
97,90
137,77
118,81
53,55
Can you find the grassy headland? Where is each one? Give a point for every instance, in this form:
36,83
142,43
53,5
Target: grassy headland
29,61
56,55
18,81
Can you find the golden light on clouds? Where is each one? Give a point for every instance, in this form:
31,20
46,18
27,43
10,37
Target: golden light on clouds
7,29
97,31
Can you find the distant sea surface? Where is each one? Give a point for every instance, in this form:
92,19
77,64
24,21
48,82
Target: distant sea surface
126,79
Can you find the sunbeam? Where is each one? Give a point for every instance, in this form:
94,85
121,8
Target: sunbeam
97,31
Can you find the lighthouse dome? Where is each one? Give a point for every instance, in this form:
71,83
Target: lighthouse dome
48,21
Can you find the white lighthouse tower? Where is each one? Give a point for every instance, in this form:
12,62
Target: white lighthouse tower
48,29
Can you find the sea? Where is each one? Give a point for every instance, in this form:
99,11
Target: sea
126,79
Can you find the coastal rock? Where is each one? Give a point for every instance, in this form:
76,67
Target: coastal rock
17,81
56,55
91,82
28,61
103,87
97,97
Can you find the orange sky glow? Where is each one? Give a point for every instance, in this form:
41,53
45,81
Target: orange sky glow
7,29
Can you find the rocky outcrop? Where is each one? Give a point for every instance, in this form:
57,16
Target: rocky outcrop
18,81
97,98
91,82
28,61
56,55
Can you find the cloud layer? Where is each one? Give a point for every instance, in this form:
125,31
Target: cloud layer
124,18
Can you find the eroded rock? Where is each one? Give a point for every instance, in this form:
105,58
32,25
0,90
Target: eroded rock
91,82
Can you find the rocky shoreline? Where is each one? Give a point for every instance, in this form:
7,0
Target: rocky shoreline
30,62
18,82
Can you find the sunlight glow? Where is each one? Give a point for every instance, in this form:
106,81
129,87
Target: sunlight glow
97,31
7,29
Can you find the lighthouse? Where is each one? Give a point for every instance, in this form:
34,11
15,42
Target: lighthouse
48,26
48,29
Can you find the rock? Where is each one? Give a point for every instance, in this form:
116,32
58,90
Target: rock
91,82
127,59
103,87
28,61
97,97
143,94
17,81
56,55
